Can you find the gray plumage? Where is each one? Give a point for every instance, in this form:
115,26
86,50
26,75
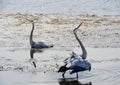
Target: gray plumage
76,63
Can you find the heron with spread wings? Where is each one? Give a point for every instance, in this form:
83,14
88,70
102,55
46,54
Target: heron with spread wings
76,63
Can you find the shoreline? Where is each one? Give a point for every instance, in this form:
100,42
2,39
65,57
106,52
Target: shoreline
97,31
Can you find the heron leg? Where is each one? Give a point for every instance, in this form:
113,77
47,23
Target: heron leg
77,75
34,64
63,74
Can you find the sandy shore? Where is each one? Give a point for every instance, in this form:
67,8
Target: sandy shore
99,34
97,31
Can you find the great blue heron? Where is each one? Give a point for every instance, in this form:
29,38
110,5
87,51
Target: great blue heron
37,45
74,55
76,63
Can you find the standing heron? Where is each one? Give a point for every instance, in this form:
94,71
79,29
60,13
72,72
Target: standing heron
75,63
37,45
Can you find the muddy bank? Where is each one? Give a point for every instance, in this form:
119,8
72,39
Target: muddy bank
97,31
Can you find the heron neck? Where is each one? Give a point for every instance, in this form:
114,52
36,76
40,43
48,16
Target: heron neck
31,34
84,52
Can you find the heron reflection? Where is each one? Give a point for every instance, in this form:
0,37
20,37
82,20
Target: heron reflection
72,81
32,51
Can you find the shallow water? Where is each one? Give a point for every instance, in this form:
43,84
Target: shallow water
100,7
28,78
16,68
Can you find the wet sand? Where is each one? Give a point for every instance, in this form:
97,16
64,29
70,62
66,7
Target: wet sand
99,34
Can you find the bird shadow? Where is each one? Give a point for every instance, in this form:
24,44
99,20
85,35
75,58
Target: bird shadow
72,81
32,51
